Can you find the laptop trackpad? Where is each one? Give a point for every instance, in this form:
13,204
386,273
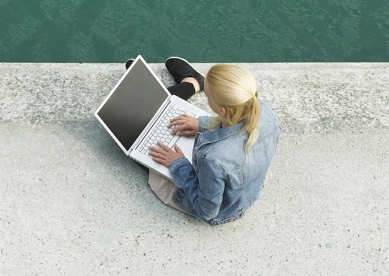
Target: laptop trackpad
186,145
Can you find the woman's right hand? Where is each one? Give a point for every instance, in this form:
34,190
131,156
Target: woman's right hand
184,125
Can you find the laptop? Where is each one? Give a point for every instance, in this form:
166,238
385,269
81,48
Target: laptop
137,107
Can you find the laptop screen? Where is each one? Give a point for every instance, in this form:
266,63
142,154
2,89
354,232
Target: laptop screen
132,104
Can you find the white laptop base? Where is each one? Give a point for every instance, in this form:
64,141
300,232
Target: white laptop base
184,143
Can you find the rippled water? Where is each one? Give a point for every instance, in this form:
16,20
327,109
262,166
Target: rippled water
201,31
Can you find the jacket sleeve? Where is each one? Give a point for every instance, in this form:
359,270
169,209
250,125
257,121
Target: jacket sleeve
204,122
203,190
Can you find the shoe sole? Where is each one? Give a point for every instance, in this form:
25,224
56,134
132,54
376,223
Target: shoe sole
186,62
127,62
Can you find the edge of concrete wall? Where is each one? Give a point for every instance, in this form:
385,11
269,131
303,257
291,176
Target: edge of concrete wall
307,97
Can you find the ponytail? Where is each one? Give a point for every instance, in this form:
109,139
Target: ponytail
252,124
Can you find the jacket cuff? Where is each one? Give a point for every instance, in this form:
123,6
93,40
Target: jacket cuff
179,162
203,123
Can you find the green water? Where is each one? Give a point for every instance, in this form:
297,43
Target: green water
200,31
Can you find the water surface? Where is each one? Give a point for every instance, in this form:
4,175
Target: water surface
201,31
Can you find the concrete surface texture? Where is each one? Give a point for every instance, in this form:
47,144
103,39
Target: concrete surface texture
71,203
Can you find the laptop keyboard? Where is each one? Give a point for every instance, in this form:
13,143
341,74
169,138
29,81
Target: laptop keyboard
160,132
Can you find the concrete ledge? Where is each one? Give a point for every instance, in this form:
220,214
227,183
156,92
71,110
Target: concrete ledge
71,203
308,98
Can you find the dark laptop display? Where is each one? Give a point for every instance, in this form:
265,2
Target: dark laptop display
128,110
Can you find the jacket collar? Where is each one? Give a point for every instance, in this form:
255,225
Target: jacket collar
218,134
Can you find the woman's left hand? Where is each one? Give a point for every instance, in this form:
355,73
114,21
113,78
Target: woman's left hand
164,154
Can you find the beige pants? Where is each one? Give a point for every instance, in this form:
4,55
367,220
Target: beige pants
164,189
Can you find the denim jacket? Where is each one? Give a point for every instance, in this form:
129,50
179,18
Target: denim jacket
221,183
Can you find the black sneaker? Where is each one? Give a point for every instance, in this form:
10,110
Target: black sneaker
129,62
180,69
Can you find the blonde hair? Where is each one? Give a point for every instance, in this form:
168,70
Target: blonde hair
235,89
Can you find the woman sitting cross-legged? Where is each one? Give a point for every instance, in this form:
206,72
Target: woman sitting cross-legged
232,151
